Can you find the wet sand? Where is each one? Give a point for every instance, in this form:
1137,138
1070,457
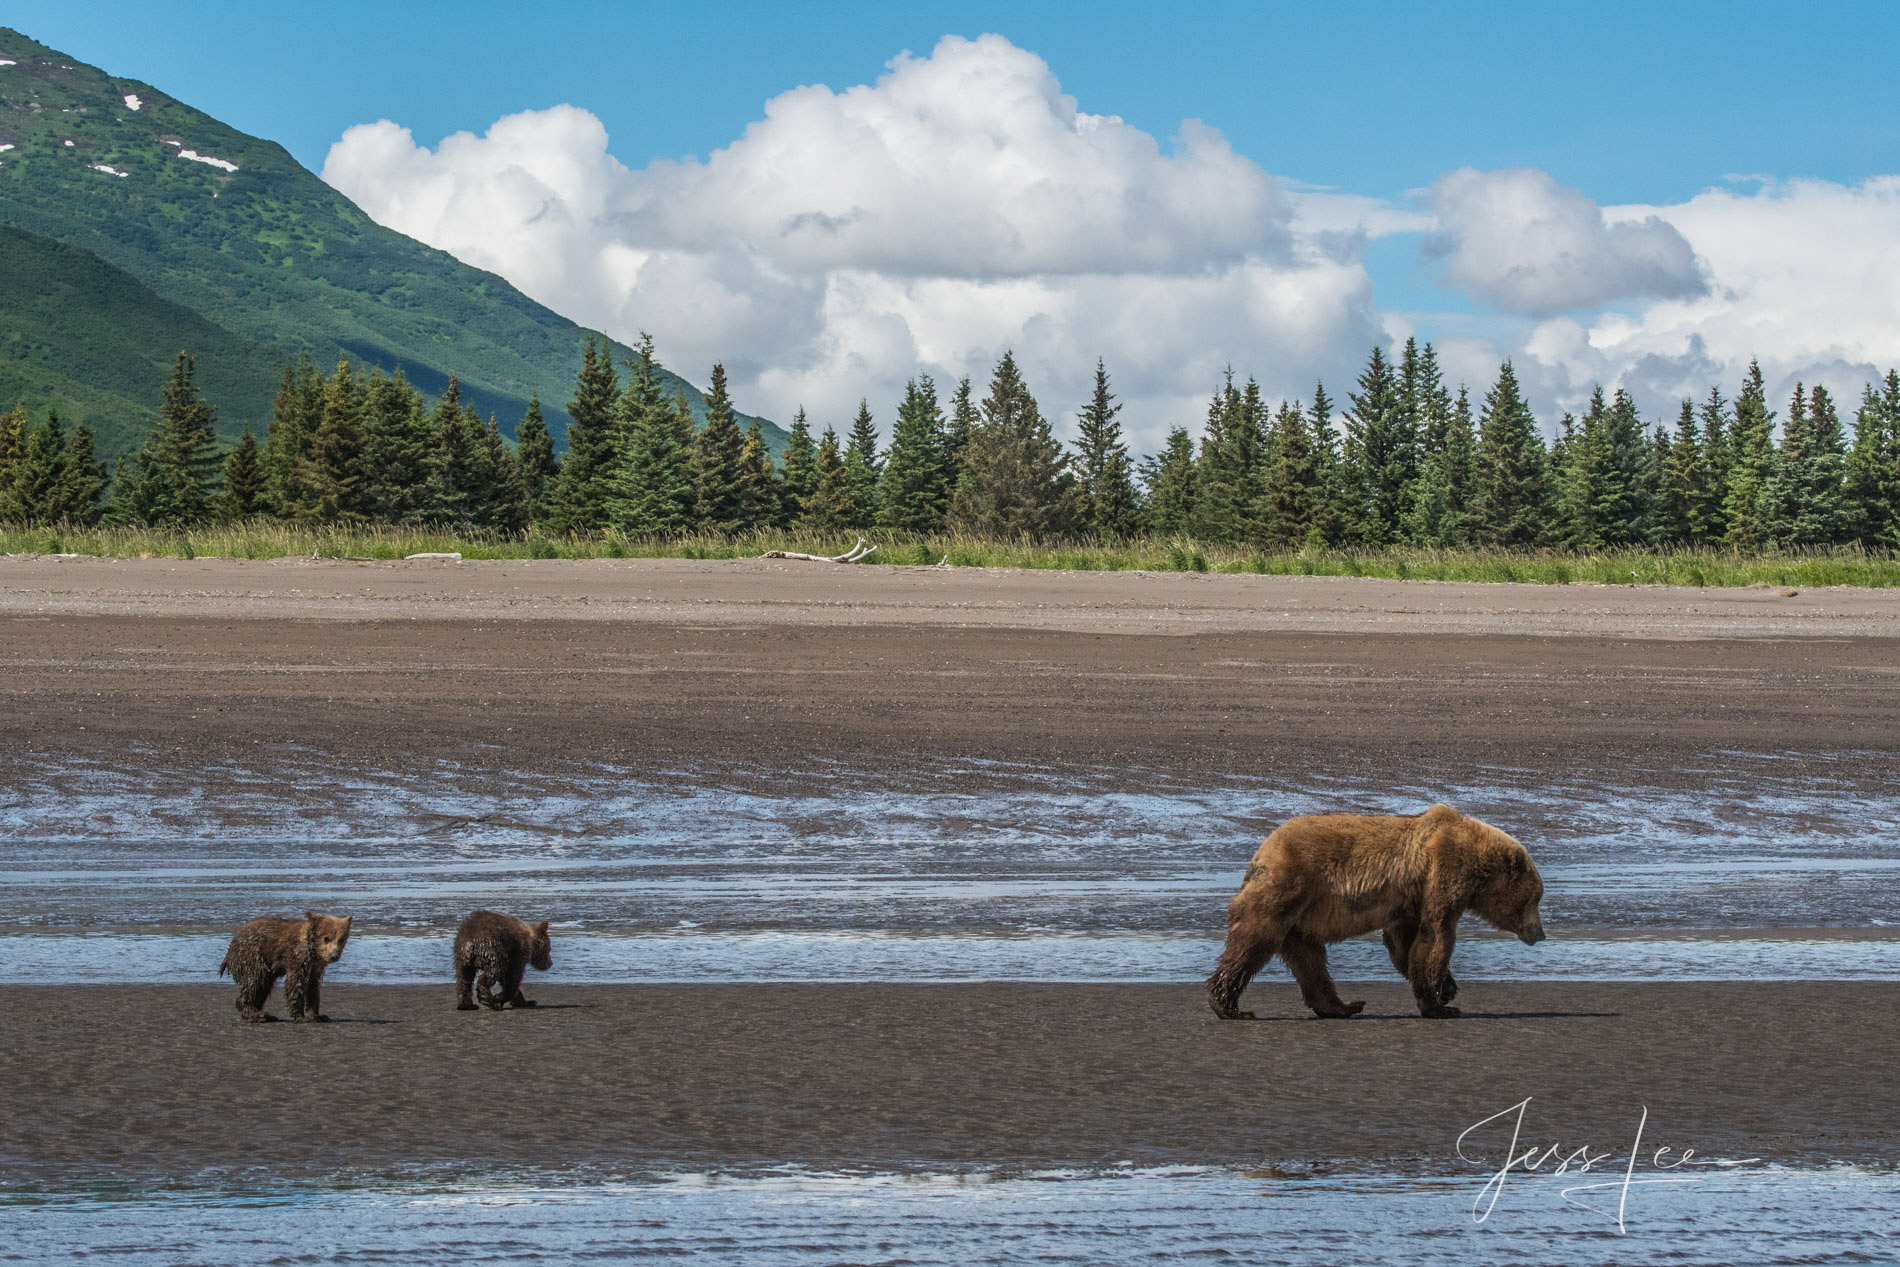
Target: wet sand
156,1081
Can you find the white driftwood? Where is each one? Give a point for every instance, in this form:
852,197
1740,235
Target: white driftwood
448,558
856,552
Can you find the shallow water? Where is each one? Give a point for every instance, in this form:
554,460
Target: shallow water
858,956
1728,865
1771,1215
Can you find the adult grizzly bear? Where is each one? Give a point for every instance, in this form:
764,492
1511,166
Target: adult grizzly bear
1325,877
500,948
298,950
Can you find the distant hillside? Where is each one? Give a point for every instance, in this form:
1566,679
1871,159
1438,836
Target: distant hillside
231,228
94,342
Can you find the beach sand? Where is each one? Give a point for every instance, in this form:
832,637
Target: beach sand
163,1081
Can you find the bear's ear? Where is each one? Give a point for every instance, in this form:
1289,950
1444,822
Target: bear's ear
346,924
541,929
310,917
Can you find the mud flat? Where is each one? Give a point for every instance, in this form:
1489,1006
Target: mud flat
161,1081
646,663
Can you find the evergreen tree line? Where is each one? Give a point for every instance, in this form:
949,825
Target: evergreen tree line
1407,461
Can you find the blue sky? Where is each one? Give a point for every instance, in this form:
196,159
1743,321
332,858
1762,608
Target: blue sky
1623,103
1631,102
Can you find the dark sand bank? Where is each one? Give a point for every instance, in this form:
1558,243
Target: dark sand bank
162,1081
660,662
395,694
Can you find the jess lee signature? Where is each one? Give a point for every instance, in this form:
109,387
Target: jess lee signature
1582,1159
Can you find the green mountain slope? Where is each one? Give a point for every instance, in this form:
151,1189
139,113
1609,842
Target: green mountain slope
233,229
95,343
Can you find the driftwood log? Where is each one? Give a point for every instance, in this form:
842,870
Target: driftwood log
856,552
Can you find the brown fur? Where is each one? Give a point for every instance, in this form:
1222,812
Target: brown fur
298,950
500,948
1326,877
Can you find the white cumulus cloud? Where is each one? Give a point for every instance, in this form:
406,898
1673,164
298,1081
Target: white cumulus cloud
847,240
1517,240
1804,275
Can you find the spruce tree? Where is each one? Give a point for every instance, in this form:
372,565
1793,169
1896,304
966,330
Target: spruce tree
505,501
399,450
82,480
1514,500
458,488
718,452
1170,480
961,425
1713,417
1291,502
1381,451
337,449
913,489
641,407
1337,521
534,453
12,443
1230,475
243,479
1623,510
33,493
1460,459
1680,500
582,491
181,454
656,491
1801,504
1017,484
1103,471
830,502
1751,457
801,472
863,470
295,416
1872,492
759,492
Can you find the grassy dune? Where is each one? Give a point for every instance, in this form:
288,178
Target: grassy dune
270,540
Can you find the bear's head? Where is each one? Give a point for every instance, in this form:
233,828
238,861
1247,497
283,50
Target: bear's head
327,935
1510,889
540,948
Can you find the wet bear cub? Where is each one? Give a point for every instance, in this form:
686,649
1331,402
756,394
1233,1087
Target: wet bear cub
499,948
298,950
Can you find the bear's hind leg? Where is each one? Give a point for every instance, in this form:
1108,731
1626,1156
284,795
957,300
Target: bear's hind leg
1306,958
485,992
464,986
1251,941
253,993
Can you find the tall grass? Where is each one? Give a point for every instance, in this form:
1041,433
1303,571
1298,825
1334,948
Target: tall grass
268,539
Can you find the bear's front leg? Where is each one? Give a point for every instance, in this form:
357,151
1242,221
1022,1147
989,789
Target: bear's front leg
1430,968
511,986
314,1000
300,992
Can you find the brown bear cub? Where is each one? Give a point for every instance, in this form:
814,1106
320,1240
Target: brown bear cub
499,948
1326,877
298,950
